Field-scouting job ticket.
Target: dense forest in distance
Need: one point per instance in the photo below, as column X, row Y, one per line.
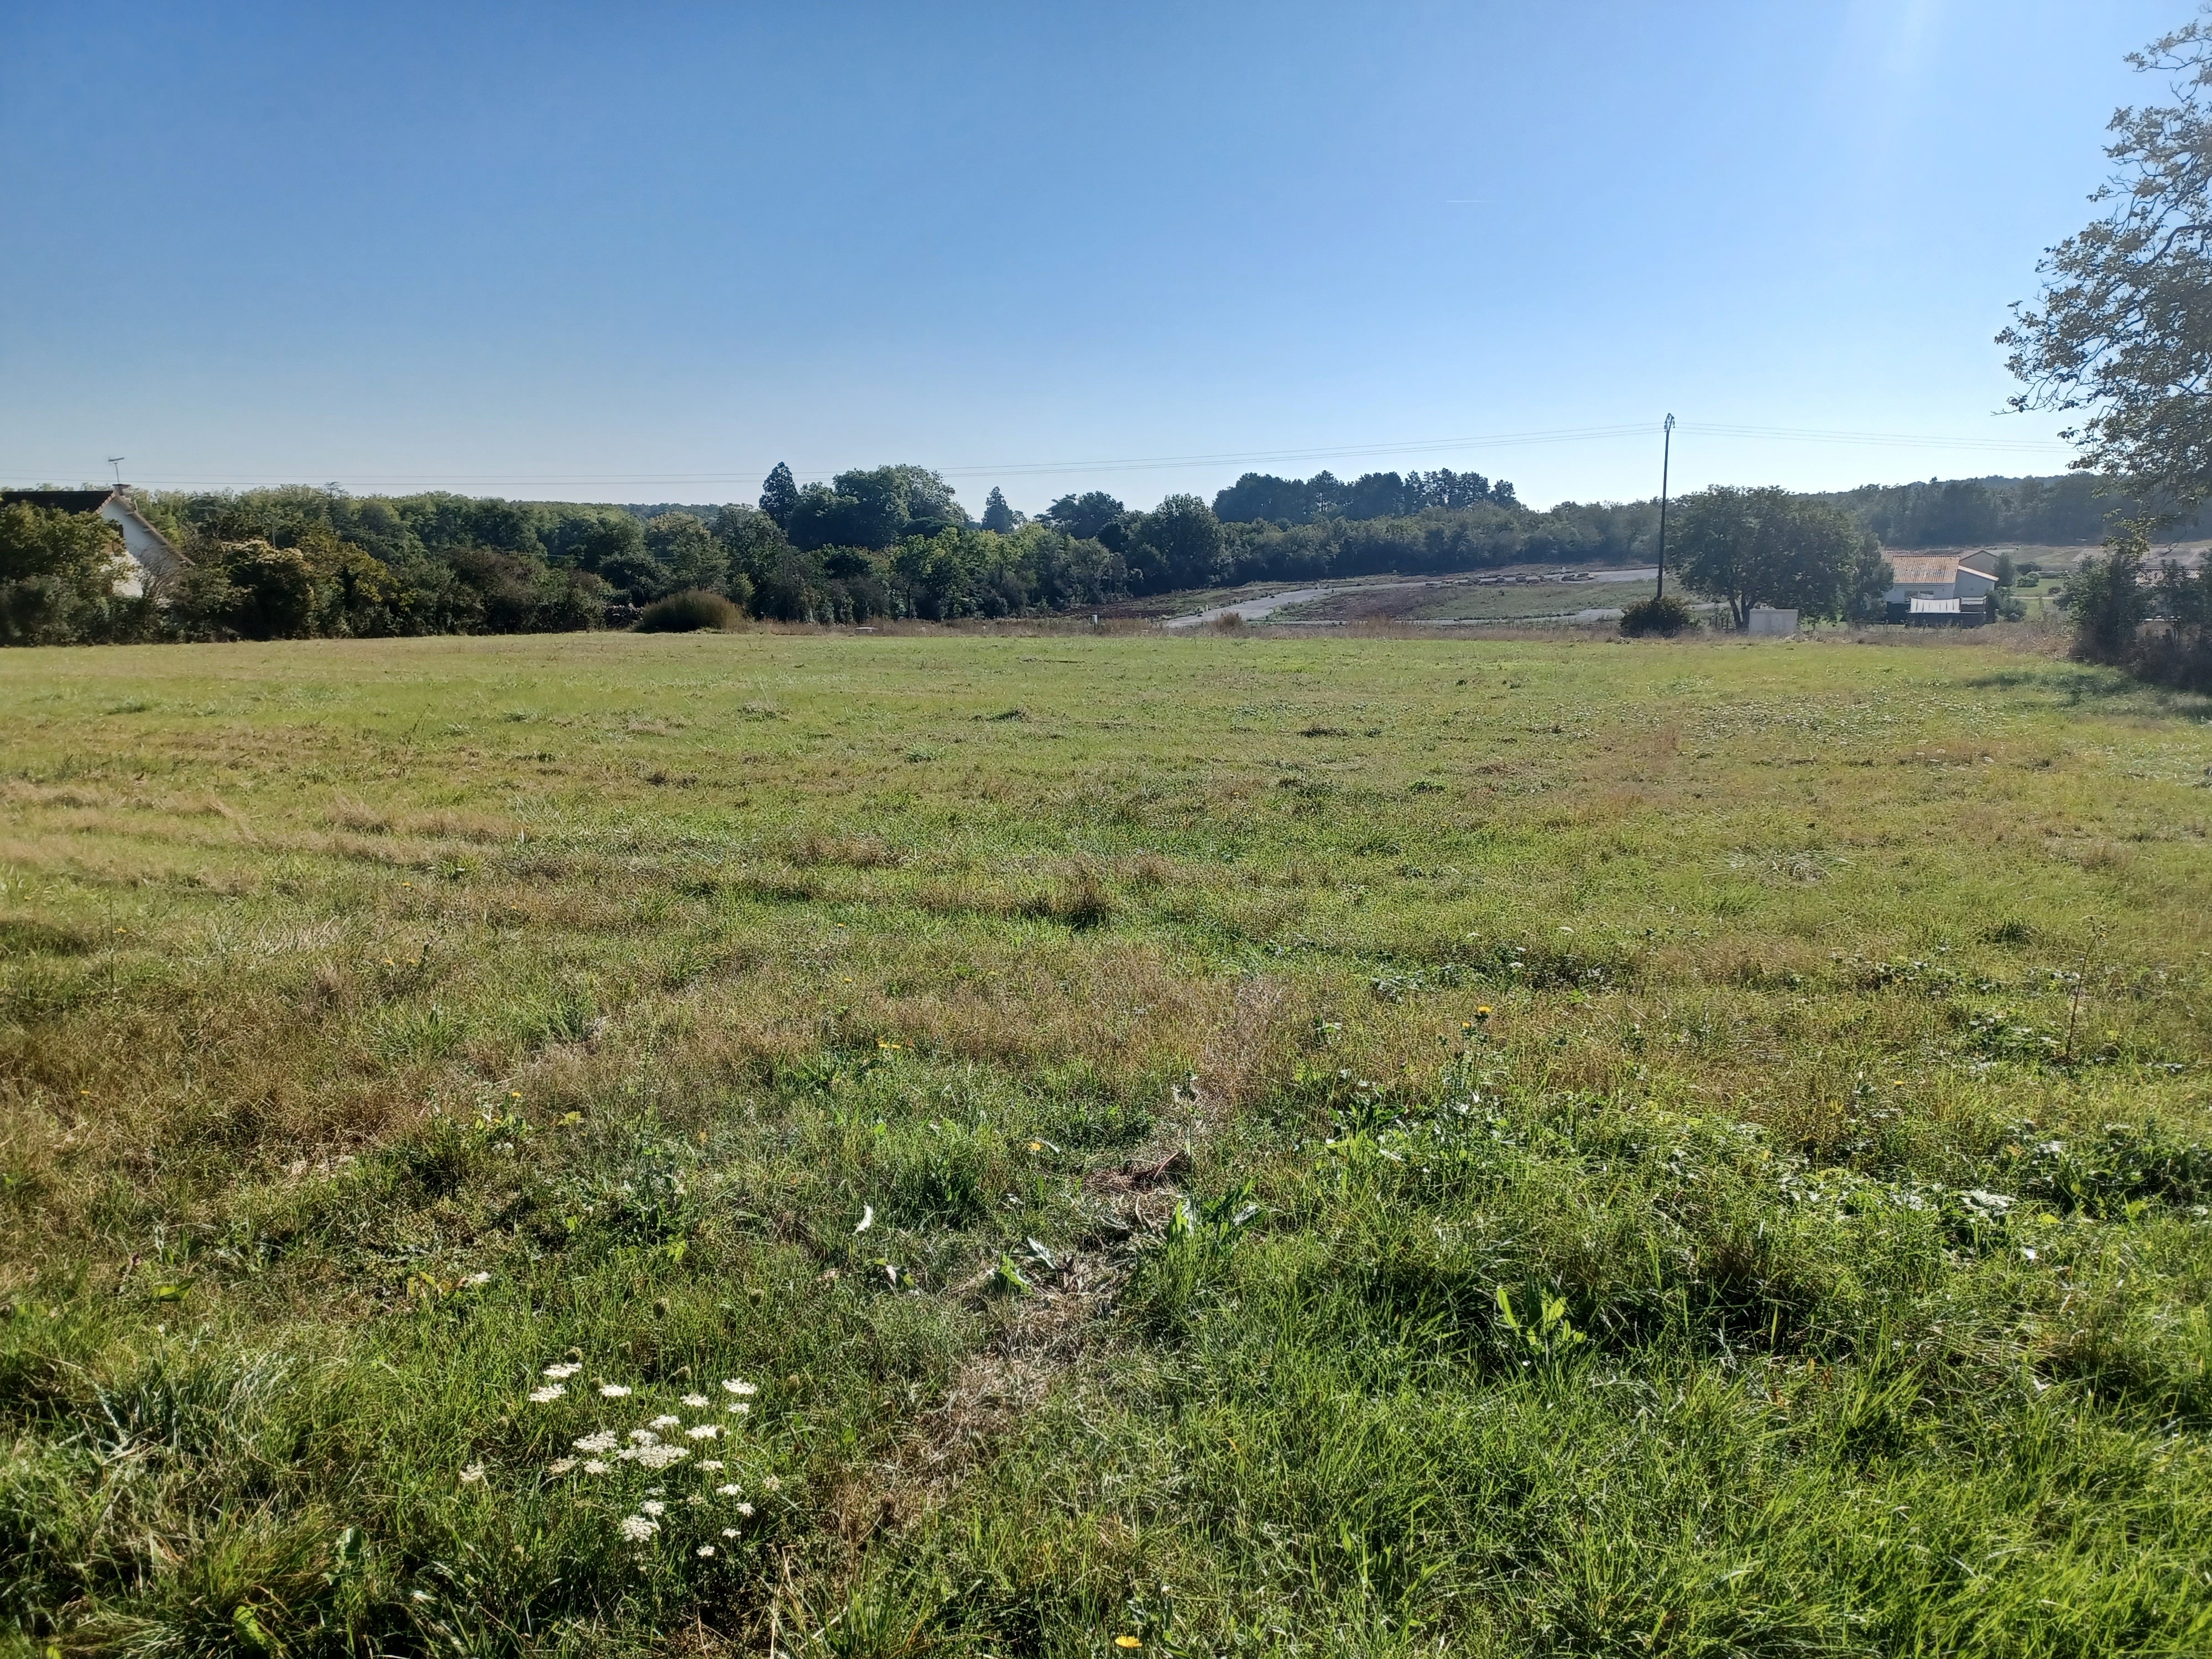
column 878, row 542
column 2061, row 512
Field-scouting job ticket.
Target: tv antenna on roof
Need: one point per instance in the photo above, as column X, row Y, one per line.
column 116, row 461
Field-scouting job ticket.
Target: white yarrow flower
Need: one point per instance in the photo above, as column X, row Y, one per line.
column 561, row 1372
column 729, row 1532
column 592, row 1466
column 739, row 1385
column 643, row 1437
column 614, row 1391
column 546, row 1396
column 472, row 1474
column 666, row 1421
column 744, row 1508
column 479, row 1278
column 738, row 1410
column 704, row 1551
column 703, row 1430
column 598, row 1440
column 637, row 1530
column 731, row 1491
column 771, row 1485
column 561, row 1466
column 696, row 1402
column 654, row 1457
column 654, row 1507
column 710, row 1463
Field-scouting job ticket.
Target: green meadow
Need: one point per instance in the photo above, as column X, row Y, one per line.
column 1060, row 1142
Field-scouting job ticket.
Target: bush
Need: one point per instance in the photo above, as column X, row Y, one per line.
column 2107, row 601
column 1665, row 615
column 688, row 612
column 58, row 574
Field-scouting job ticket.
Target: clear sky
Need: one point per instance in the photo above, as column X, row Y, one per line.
column 642, row 251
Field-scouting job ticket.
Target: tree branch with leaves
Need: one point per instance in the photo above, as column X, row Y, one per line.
column 2123, row 331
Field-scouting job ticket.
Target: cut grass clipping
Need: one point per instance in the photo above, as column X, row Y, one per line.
column 724, row 1143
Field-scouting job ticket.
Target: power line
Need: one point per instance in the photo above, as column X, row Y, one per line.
column 1144, row 463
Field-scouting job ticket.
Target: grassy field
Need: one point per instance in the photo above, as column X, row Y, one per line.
column 1066, row 1145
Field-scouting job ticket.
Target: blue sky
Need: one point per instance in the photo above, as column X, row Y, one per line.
column 641, row 252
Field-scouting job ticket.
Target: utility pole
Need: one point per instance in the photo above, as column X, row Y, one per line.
column 1666, row 454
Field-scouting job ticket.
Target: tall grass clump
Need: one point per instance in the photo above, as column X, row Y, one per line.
column 688, row 613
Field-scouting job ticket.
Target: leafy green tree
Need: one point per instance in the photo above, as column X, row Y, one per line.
column 1768, row 546
column 2106, row 598
column 1454, row 490
column 43, row 541
column 822, row 518
column 1380, row 495
column 778, row 496
column 1071, row 571
column 999, row 517
column 2122, row 330
column 890, row 502
column 874, row 507
column 58, row 575
column 964, row 571
column 595, row 539
column 638, row 577
column 687, row 551
column 1179, row 544
column 249, row 590
column 1084, row 516
column 752, row 543
column 1261, row 496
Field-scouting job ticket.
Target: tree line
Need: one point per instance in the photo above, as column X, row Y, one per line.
column 2074, row 509
column 881, row 544
column 871, row 543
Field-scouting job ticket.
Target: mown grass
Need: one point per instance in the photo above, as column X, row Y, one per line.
column 1239, row 1143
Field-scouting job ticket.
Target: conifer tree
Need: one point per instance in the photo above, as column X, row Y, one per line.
column 780, row 495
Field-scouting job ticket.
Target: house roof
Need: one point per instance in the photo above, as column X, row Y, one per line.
column 1915, row 567
column 66, row 501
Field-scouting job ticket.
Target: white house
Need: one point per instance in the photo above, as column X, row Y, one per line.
column 1942, row 589
column 152, row 557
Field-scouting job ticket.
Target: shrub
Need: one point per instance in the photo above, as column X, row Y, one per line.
column 2111, row 600
column 2107, row 601
column 688, row 612
column 1665, row 615
column 59, row 573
